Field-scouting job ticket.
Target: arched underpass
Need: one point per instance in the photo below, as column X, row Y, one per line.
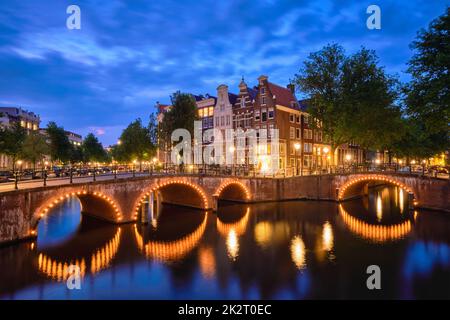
column 359, row 187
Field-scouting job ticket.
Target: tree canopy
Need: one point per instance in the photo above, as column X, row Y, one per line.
column 93, row 150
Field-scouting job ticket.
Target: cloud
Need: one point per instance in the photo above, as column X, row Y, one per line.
column 130, row 54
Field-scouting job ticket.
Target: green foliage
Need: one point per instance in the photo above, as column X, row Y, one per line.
column 93, row 150
column 182, row 115
column 352, row 97
column 34, row 148
column 136, row 143
column 428, row 94
column 11, row 141
column 60, row 146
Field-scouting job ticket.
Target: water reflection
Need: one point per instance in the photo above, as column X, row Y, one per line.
column 288, row 250
column 298, row 252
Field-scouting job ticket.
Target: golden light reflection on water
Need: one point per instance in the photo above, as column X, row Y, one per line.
column 327, row 237
column 401, row 204
column 263, row 233
column 207, row 262
column 232, row 244
column 298, row 252
column 375, row 233
column 379, row 207
column 167, row 251
column 239, row 226
column 101, row 259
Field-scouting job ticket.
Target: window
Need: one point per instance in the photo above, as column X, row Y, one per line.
column 307, row 134
column 297, row 119
column 243, row 102
column 292, row 162
column 228, row 120
column 222, row 107
column 263, row 90
column 257, row 113
column 292, row 149
column 263, row 100
column 264, row 115
column 307, row 147
column 217, row 121
column 211, row 111
column 222, row 122
column 307, row 161
column 306, row 119
column 297, row 133
column 271, row 113
column 291, row 132
column 282, row 148
column 291, row 118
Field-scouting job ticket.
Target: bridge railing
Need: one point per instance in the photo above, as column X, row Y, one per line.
column 44, row 177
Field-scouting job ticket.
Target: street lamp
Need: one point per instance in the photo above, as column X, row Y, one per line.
column 119, row 142
column 297, row 147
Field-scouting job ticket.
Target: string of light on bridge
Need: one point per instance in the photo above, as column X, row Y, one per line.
column 233, row 182
column 376, row 178
column 60, row 198
column 170, row 182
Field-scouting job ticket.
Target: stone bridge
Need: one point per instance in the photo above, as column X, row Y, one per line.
column 118, row 201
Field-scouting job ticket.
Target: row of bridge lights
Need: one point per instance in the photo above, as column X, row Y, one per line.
column 195, row 187
column 67, row 195
column 370, row 177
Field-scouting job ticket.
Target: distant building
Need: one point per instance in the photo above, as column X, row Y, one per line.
column 74, row 138
column 10, row 115
column 205, row 109
column 28, row 120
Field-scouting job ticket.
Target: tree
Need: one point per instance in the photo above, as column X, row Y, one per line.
column 60, row 146
column 351, row 96
column 428, row 94
column 135, row 143
column 93, row 150
column 370, row 114
column 34, row 148
column 11, row 141
column 182, row 115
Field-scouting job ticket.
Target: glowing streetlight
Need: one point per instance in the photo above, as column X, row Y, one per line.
column 19, row 162
column 119, row 142
column 297, row 146
column 377, row 161
column 348, row 157
column 413, row 161
column 231, row 149
column 326, row 150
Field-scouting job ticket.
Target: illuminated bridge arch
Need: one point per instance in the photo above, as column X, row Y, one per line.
column 354, row 186
column 178, row 192
column 93, row 203
column 233, row 190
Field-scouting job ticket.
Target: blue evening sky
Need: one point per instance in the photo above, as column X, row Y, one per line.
column 130, row 54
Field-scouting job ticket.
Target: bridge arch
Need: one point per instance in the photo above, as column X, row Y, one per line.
column 94, row 203
column 233, row 190
column 355, row 185
column 178, row 192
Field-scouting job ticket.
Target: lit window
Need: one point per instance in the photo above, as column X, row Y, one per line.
column 291, row 118
column 211, row 111
column 291, row 132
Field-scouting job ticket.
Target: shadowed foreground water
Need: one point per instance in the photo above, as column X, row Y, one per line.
column 288, row 250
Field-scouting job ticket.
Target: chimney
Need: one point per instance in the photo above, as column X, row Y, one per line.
column 291, row 87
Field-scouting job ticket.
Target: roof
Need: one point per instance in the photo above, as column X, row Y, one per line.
column 232, row 97
column 283, row 96
column 303, row 104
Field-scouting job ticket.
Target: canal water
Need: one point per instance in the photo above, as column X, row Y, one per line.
column 286, row 250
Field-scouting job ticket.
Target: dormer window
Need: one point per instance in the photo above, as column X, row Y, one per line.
column 263, row 90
